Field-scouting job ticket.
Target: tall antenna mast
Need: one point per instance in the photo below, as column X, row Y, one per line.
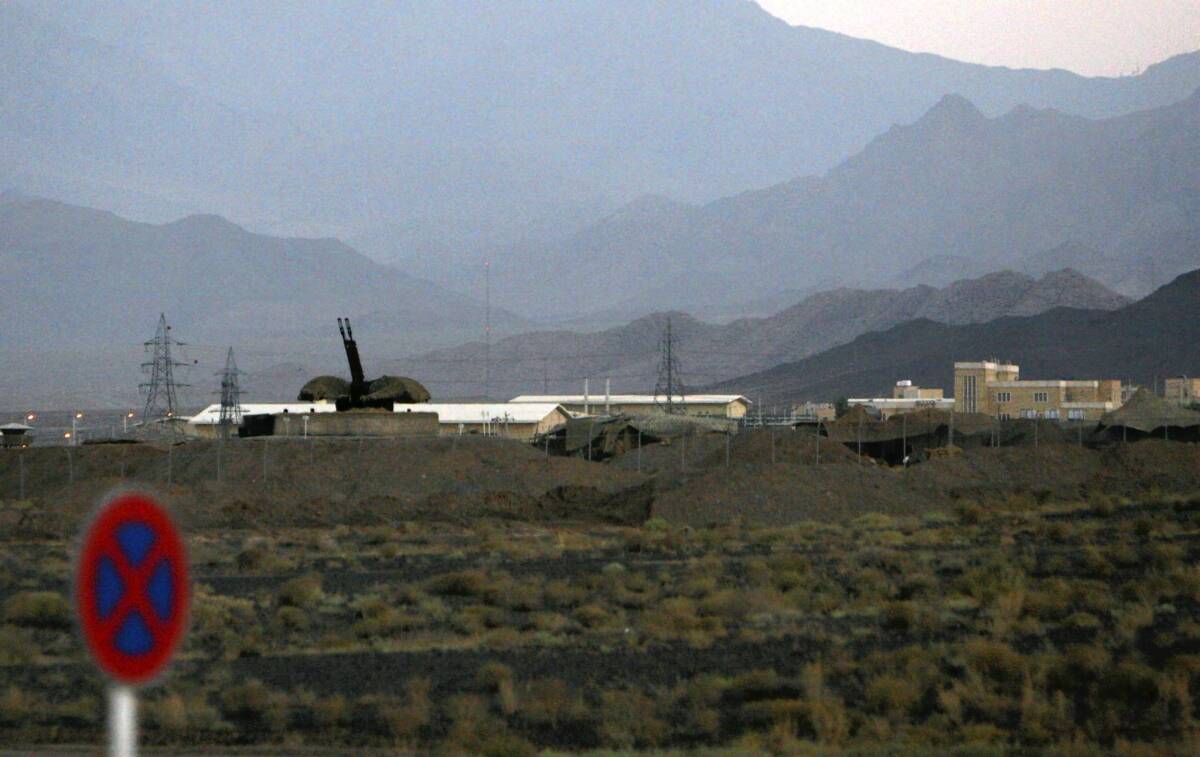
column 161, row 401
column 670, row 384
column 487, row 329
column 231, row 397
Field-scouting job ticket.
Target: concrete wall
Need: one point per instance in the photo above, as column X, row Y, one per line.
column 356, row 423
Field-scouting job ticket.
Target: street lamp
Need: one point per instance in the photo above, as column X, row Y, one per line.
column 125, row 422
column 74, row 435
column 31, row 417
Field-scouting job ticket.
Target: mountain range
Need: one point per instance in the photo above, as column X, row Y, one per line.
column 79, row 278
column 1141, row 343
column 427, row 133
column 559, row 361
column 955, row 193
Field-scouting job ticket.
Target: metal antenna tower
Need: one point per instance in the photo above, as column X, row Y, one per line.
column 231, row 397
column 487, row 329
column 669, row 392
column 161, row 401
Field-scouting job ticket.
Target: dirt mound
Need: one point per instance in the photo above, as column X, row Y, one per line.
column 786, row 492
column 276, row 483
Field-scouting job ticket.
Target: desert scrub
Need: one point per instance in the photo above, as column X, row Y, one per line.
column 38, row 609
column 254, row 703
column 302, row 591
column 17, row 646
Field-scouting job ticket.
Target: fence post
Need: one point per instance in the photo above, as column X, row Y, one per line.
column 771, row 431
column 264, row 459
column 124, row 457
column 70, row 467
column 220, row 447
column 639, row 455
column 21, row 460
column 951, row 428
column 818, row 441
column 1035, row 433
column 860, row 422
column 170, row 462
column 904, row 439
column 727, row 435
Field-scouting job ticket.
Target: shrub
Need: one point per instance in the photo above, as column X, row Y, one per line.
column 254, row 702
column 38, row 609
column 892, row 695
column 463, row 583
column 17, row 646
column 330, row 711
column 302, row 591
column 627, row 720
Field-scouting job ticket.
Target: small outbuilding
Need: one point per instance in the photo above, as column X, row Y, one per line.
column 15, row 435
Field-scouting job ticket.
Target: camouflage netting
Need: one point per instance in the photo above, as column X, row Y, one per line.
column 382, row 391
column 396, row 389
column 1147, row 412
column 324, row 388
column 609, row 435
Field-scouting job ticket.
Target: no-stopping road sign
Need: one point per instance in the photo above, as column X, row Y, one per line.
column 132, row 589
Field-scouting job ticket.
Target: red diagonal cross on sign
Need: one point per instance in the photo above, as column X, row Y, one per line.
column 102, row 548
column 136, row 580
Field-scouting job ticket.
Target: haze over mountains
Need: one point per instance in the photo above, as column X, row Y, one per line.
column 426, row 132
column 1141, row 343
column 559, row 361
column 955, row 193
column 78, row 278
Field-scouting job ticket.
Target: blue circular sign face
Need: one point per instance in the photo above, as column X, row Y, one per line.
column 131, row 589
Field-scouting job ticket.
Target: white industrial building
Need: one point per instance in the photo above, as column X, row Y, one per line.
column 710, row 405
column 512, row 420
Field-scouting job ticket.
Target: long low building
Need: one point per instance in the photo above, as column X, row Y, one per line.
column 508, row 419
column 710, row 405
column 206, row 423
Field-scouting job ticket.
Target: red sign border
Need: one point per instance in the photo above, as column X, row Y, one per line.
column 99, row 539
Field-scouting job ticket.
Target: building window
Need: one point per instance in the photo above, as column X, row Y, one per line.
column 1052, row 414
column 1004, row 396
column 1005, row 417
column 1029, row 414
column 1075, row 415
column 1041, row 397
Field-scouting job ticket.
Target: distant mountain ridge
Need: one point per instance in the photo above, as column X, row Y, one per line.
column 80, row 278
column 629, row 354
column 1141, row 342
column 954, row 190
column 429, row 132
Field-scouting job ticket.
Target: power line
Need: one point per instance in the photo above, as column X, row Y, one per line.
column 231, row 397
column 161, row 401
column 669, row 380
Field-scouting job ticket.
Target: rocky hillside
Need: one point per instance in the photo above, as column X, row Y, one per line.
column 1142, row 342
column 629, row 354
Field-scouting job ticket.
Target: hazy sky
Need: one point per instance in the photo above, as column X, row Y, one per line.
column 1094, row 37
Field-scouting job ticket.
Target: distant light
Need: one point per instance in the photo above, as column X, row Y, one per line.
column 129, row 415
column 31, row 417
column 67, row 435
column 78, row 415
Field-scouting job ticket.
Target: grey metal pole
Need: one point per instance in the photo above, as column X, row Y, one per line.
column 124, row 457
column 170, row 462
column 220, row 447
column 70, row 467
column 818, row 441
column 860, row 422
column 21, row 459
column 1035, row 433
column 264, row 459
column 951, row 428
column 771, row 431
column 639, row 455
column 727, row 436
column 904, row 437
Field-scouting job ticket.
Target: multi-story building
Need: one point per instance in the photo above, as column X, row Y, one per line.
column 1182, row 391
column 996, row 389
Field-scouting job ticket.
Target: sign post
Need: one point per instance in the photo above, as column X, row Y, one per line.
column 131, row 597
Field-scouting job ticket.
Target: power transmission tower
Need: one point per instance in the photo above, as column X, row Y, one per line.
column 669, row 392
column 231, row 397
column 487, row 329
column 161, row 401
